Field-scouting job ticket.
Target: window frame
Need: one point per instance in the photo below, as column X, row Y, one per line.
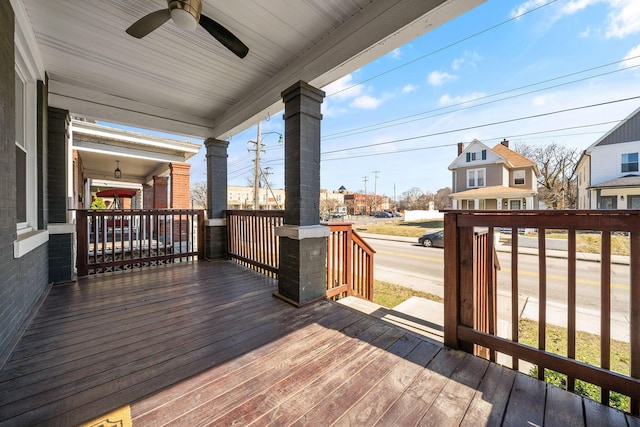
column 515, row 178
column 623, row 163
column 476, row 174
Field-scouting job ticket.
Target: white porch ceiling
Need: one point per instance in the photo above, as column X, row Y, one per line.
column 189, row 84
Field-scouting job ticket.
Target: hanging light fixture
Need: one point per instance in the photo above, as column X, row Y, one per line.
column 117, row 174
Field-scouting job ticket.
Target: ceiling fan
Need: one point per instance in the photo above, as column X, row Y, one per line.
column 186, row 14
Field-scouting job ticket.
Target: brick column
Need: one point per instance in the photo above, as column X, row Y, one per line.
column 160, row 197
column 216, row 224
column 303, row 241
column 180, row 186
column 147, row 196
column 61, row 234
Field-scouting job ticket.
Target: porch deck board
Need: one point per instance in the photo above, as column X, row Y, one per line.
column 207, row 344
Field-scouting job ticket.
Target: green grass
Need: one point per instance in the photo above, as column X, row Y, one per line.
column 588, row 351
column 390, row 295
column 591, row 243
column 402, row 228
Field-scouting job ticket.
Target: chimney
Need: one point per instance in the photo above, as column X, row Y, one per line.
column 460, row 147
column 505, row 143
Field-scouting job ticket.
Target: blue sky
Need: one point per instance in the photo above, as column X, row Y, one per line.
column 409, row 109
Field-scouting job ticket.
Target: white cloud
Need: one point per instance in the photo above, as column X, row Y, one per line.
column 470, row 58
column 575, row 6
column 446, row 100
column 526, row 7
column 395, row 53
column 586, row 33
column 629, row 62
column 366, row 102
column 409, row 88
column 343, row 88
column 438, row 78
column 624, row 19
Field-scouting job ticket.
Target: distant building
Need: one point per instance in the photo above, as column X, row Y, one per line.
column 364, row 204
column 239, row 197
column 493, row 178
column 615, row 182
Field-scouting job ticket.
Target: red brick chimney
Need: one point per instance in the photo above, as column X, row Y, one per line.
column 505, row 143
column 460, row 147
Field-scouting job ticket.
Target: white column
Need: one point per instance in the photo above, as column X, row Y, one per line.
column 499, row 203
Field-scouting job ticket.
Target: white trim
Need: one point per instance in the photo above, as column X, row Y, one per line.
column 300, row 232
column 25, row 41
column 61, row 228
column 27, row 242
column 215, row 222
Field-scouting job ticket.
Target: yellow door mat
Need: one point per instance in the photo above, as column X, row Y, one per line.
column 118, row 418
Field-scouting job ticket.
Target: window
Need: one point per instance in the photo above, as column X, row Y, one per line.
column 518, row 177
column 230, row 195
column 477, row 155
column 514, row 205
column 475, row 178
column 21, row 153
column 608, row 202
column 630, row 162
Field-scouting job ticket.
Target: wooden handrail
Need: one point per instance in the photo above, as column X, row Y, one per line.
column 463, row 296
column 252, row 242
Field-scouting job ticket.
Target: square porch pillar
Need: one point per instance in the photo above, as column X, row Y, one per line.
column 302, row 276
column 216, row 223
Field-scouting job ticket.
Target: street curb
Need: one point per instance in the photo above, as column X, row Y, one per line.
column 580, row 256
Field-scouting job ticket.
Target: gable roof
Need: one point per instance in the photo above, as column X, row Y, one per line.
column 628, row 130
column 514, row 159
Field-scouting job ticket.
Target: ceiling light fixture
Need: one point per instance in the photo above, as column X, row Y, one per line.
column 117, row 174
column 186, row 14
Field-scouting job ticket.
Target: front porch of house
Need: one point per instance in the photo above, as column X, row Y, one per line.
column 206, row 343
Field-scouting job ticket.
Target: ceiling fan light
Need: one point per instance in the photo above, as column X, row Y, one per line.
column 184, row 19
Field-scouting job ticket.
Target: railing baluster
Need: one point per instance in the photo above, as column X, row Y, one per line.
column 605, row 308
column 542, row 295
column 515, row 309
column 634, row 240
column 571, row 301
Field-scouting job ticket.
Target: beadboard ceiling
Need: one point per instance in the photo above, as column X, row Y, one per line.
column 186, row 82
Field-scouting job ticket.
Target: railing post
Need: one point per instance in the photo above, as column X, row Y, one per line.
column 451, row 280
column 349, row 247
column 82, row 263
column 200, row 230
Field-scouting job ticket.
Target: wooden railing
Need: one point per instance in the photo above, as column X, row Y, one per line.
column 252, row 242
column 110, row 240
column 349, row 263
column 461, row 299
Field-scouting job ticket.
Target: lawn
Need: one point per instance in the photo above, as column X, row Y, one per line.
column 390, row 295
column 588, row 351
column 402, row 228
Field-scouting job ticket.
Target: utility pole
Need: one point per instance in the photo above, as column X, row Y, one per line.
column 375, row 189
column 265, row 175
column 366, row 204
column 256, row 170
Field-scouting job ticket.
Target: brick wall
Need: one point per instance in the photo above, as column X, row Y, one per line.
column 180, row 186
column 160, row 197
column 24, row 280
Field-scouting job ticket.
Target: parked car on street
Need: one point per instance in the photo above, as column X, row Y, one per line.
column 383, row 215
column 434, row 238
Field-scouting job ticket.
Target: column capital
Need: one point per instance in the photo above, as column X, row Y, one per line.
column 216, row 143
column 294, row 96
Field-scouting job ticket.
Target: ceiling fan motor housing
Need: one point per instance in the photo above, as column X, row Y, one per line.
column 185, row 13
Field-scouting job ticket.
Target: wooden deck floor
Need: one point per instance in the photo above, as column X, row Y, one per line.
column 207, row 344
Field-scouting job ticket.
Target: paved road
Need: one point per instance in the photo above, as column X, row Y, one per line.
column 422, row 268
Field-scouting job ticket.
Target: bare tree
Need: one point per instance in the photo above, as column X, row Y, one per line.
column 441, row 200
column 557, row 163
column 199, row 195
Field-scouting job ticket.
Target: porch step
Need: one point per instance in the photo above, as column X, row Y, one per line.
column 418, row 315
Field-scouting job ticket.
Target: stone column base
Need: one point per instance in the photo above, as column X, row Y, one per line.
column 302, row 276
column 215, row 239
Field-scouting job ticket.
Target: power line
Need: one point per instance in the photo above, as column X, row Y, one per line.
column 535, row 116
column 433, row 52
column 414, row 117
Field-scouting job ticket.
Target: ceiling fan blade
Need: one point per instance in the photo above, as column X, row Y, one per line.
column 224, row 36
column 146, row 24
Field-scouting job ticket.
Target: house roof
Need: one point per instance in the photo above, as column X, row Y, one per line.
column 628, row 130
column 624, row 181
column 514, row 159
column 494, row 191
column 187, row 83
